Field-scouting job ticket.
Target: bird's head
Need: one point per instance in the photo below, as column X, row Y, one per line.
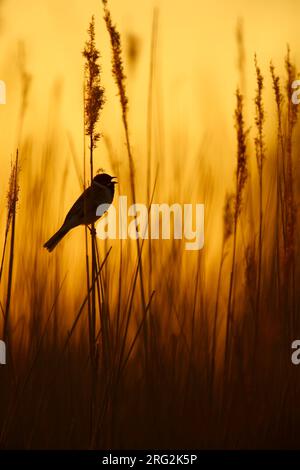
column 104, row 179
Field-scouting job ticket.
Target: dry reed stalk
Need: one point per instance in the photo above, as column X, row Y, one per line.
column 93, row 104
column 12, row 199
column 241, row 179
column 279, row 99
column 260, row 158
column 289, row 197
column 87, row 263
column 285, row 187
column 116, row 336
column 150, row 129
column 280, row 177
column 7, row 227
column 228, row 219
column 120, row 78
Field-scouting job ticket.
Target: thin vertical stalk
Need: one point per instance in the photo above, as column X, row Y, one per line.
column 149, row 130
column 215, row 324
column 12, row 206
column 119, row 76
column 260, row 157
column 93, row 104
column 241, row 179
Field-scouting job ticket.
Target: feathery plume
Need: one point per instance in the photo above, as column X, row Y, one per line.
column 259, row 117
column 242, row 171
column 117, row 62
column 94, row 92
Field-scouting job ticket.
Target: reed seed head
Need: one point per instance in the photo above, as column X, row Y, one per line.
column 13, row 191
column 117, row 62
column 242, row 171
column 94, row 92
column 259, row 117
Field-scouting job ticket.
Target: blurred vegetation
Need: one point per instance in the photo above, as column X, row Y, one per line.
column 190, row 349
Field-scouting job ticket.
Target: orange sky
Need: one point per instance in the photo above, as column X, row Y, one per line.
column 197, row 64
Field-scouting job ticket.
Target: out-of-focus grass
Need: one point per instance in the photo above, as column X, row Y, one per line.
column 154, row 384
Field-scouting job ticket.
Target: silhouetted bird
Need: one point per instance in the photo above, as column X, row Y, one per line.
column 84, row 211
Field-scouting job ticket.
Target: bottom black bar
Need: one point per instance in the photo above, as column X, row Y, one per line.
column 135, row 458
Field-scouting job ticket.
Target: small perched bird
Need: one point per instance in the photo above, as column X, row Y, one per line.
column 85, row 210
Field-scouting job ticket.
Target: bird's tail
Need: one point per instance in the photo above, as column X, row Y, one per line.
column 53, row 241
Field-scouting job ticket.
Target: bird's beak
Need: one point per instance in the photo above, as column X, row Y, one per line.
column 114, row 182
